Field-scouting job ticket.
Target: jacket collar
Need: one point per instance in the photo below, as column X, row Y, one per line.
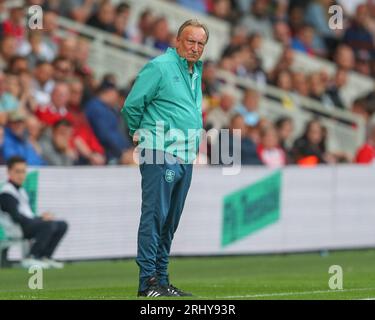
column 183, row 61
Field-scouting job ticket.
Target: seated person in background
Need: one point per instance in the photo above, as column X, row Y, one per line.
column 310, row 148
column 55, row 145
column 249, row 108
column 237, row 144
column 84, row 141
column 102, row 112
column 16, row 142
column 8, row 102
column 44, row 230
column 219, row 117
column 50, row 113
column 285, row 127
column 269, row 151
column 366, row 153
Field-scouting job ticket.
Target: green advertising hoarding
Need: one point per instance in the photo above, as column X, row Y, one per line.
column 250, row 209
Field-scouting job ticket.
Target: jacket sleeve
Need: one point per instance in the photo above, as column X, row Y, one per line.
column 9, row 204
column 144, row 90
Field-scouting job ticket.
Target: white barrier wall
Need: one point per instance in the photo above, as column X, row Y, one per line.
column 321, row 208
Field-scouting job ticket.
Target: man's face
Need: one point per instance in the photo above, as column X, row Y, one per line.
column 17, row 127
column 17, row 174
column 61, row 137
column 60, row 95
column 190, row 44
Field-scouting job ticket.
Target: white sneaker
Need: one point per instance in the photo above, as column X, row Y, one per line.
column 53, row 263
column 30, row 262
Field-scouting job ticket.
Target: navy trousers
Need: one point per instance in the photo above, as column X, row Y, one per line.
column 46, row 235
column 164, row 190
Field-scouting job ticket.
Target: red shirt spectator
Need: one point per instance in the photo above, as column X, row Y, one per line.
column 268, row 149
column 14, row 25
column 84, row 140
column 83, row 130
column 366, row 153
column 56, row 110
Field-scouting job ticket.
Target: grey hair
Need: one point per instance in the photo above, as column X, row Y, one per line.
column 194, row 23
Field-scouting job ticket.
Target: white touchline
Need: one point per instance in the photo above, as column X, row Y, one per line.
column 290, row 293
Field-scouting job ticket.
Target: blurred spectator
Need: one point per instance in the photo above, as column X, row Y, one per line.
column 284, row 62
column 282, row 33
column 79, row 10
column 284, row 127
column 56, row 110
column 2, row 160
column 222, row 9
column 55, row 147
column 34, row 131
column 63, row 69
column 8, row 102
column 238, row 38
column 300, row 84
column 161, row 34
column 269, row 151
column 317, row 88
column 14, row 26
column 142, row 32
column 243, row 6
column 81, row 57
column 121, row 20
column 68, row 47
column 251, row 68
column 255, row 42
column 357, row 36
column 366, row 153
column 310, row 148
column 103, row 18
column 284, row 80
column 210, row 83
column 219, row 117
column 50, row 37
column 18, row 64
column 258, row 20
column 249, row 108
column 303, row 40
column 317, row 16
column 230, row 143
column 34, row 48
column 103, row 115
column 16, row 142
column 361, row 108
column 27, row 100
column 8, row 49
column 296, row 19
column 196, row 5
column 84, row 140
column 43, row 82
column 344, row 57
column 334, row 90
column 363, row 63
column 13, row 87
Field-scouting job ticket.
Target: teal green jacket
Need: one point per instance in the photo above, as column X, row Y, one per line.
column 164, row 106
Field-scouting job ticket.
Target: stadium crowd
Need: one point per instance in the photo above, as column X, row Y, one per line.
column 54, row 111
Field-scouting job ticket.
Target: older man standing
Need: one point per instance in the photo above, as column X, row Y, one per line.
column 164, row 116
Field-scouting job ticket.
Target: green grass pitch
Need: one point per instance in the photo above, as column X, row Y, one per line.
column 291, row 276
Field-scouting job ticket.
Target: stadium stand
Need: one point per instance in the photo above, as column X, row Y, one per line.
column 301, row 70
